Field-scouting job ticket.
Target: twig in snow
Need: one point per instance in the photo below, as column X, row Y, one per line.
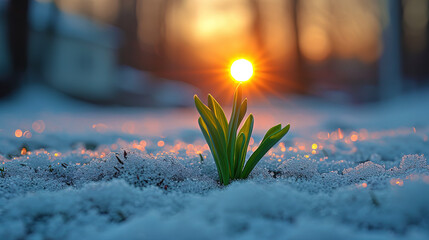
column 119, row 160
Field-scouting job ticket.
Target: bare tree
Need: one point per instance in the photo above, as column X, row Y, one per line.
column 299, row 72
column 17, row 27
column 390, row 67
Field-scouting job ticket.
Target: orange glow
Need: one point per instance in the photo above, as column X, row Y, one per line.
column 27, row 134
column 241, row 70
column 23, row 151
column 340, row 133
column 354, row 137
column 363, row 134
column 161, row 143
column 100, row 127
column 396, row 181
column 323, row 135
column 334, row 135
column 18, row 133
column 128, row 127
column 140, row 146
column 38, row 126
column 315, row 43
column 364, row 185
column 413, row 177
column 282, row 147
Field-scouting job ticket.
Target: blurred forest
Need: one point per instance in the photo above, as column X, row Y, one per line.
column 349, row 50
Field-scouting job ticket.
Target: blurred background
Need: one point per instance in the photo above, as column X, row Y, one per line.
column 160, row 52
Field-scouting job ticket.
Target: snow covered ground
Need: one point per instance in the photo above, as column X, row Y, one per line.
column 70, row 170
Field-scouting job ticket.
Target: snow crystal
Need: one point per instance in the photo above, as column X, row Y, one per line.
column 412, row 162
column 299, row 167
column 363, row 171
column 105, row 174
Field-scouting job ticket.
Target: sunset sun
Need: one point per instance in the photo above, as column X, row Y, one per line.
column 241, row 70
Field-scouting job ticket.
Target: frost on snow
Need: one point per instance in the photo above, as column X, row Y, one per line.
column 122, row 174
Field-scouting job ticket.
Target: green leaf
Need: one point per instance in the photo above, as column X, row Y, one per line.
column 220, row 115
column 209, row 141
column 241, row 141
column 216, row 136
column 203, row 110
column 229, row 150
column 212, row 123
column 279, row 135
column 218, row 152
column 242, row 113
column 263, row 148
column 272, row 130
column 232, row 127
column 246, row 130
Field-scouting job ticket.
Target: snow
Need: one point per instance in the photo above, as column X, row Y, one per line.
column 344, row 172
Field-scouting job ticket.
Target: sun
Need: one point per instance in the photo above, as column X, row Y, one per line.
column 241, row 70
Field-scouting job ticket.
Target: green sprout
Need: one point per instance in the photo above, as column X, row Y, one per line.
column 229, row 149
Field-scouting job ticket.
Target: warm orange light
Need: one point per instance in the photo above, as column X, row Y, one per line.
column 397, row 181
column 39, row 126
column 340, row 134
column 241, row 70
column 27, row 134
column 18, row 133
